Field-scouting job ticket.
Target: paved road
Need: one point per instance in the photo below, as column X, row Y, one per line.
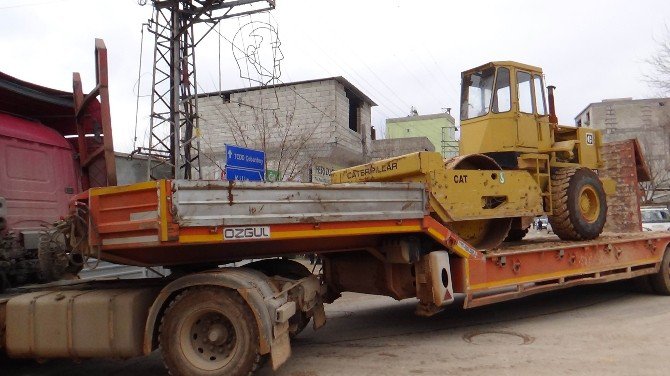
column 599, row 330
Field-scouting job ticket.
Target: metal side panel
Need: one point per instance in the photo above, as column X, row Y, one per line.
column 78, row 324
column 214, row 203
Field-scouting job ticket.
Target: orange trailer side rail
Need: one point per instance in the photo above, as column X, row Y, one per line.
column 514, row 272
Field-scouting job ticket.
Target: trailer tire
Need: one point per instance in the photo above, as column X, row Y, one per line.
column 209, row 331
column 579, row 204
column 660, row 281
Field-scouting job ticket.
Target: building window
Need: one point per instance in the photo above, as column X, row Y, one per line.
column 354, row 111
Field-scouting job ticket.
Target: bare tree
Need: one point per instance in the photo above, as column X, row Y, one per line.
column 657, row 189
column 659, row 77
column 267, row 122
column 263, row 119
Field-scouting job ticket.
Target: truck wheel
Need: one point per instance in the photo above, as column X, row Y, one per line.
column 209, row 331
column 660, row 282
column 580, row 206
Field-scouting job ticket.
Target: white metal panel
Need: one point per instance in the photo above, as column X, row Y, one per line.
column 214, row 203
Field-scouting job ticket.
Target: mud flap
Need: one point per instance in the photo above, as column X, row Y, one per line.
column 281, row 346
column 433, row 283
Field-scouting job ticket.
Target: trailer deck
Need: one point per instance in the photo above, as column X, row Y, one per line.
column 177, row 222
column 536, row 265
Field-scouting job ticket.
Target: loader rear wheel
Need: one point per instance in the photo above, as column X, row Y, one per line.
column 209, row 331
column 660, row 282
column 580, row 207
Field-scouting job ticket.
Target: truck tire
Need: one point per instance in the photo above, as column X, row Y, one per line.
column 209, row 331
column 660, row 282
column 579, row 203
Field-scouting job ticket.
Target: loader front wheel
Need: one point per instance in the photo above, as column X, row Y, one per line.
column 209, row 331
column 579, row 203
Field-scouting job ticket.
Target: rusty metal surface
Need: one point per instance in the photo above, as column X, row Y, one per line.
column 213, row 203
column 96, row 154
column 551, row 242
column 525, row 269
column 623, row 163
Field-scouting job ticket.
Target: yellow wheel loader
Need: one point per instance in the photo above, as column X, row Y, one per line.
column 515, row 163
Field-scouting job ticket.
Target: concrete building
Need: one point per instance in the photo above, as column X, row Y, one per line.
column 648, row 120
column 131, row 169
column 302, row 126
column 393, row 147
column 438, row 128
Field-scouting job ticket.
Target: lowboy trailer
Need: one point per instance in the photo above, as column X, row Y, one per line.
column 211, row 317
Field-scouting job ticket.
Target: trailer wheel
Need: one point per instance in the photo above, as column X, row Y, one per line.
column 660, row 281
column 580, row 207
column 209, row 331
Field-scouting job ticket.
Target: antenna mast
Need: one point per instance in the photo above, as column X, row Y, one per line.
column 174, row 132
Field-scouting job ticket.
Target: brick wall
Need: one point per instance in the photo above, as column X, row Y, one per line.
column 623, row 213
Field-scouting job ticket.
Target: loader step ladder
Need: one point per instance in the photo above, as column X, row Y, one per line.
column 538, row 166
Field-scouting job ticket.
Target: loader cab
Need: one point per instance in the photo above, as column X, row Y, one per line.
column 504, row 111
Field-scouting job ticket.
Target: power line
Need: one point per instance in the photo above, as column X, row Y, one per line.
column 361, row 78
column 369, row 85
column 139, row 79
column 448, row 94
column 420, row 81
column 32, row 4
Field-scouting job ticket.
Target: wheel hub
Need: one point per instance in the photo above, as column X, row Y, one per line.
column 211, row 339
column 217, row 333
column 589, row 205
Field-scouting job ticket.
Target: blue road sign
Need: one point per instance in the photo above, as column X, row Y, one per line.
column 240, row 174
column 249, row 159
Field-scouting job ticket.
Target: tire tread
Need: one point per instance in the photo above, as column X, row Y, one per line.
column 258, row 357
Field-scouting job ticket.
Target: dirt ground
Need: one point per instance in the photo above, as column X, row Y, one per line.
column 597, row 330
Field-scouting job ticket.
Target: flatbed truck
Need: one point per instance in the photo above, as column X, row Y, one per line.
column 210, row 317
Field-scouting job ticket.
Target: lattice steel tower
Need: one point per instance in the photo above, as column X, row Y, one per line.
column 174, row 135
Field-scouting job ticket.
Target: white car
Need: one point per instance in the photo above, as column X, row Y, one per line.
column 655, row 219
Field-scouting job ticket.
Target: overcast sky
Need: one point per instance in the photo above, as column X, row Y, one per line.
column 401, row 53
